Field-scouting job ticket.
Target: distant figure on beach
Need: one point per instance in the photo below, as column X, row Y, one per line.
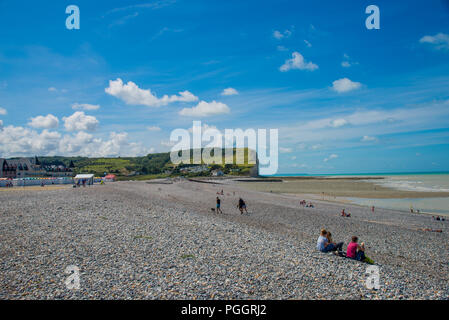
column 324, row 245
column 355, row 251
column 372, row 209
column 218, row 205
column 431, row 230
column 241, row 206
column 310, row 205
column 302, row 203
column 344, row 214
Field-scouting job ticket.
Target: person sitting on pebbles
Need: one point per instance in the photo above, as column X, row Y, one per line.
column 345, row 214
column 355, row 251
column 324, row 245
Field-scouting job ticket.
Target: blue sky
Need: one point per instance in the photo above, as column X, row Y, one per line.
column 344, row 98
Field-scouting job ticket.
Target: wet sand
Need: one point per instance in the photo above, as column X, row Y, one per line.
column 329, row 188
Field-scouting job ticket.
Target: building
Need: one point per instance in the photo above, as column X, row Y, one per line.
column 7, row 170
column 31, row 168
column 27, row 167
column 58, row 171
column 109, row 178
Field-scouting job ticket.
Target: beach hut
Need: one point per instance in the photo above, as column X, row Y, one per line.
column 87, row 177
column 109, row 178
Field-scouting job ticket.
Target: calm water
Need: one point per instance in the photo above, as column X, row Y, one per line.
column 426, row 182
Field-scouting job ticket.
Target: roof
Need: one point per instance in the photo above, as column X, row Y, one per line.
column 110, row 176
column 84, row 176
column 22, row 161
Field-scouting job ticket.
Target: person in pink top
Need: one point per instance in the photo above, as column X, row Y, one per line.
column 355, row 251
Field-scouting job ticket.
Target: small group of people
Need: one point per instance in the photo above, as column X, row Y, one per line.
column 241, row 205
column 354, row 250
column 345, row 214
column 79, row 183
column 303, row 203
column 9, row 184
column 326, row 244
column 437, row 218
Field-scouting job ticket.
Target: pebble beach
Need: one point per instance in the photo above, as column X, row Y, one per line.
column 140, row 240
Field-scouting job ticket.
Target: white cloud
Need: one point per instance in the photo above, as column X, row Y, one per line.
column 18, row 141
column 285, row 150
column 44, row 122
column 372, row 123
column 308, row 44
column 154, row 128
column 347, row 61
column 229, row 92
column 345, row 85
column 368, row 139
column 3, row 111
column 338, row 123
column 440, row 40
column 297, row 62
column 205, row 109
column 80, row 122
column 1, row 124
column 168, row 143
column 293, row 158
column 83, row 143
column 281, row 48
column 131, row 94
column 85, row 106
column 52, row 89
column 280, row 35
column 332, row 156
column 204, row 127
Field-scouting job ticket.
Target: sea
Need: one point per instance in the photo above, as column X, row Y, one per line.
column 421, row 181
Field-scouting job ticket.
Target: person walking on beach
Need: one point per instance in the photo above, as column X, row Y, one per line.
column 355, row 251
column 241, row 206
column 218, row 205
column 372, row 209
column 324, row 245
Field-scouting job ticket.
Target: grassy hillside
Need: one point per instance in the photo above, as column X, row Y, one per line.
column 150, row 166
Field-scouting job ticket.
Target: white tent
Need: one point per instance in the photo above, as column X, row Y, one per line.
column 88, row 177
